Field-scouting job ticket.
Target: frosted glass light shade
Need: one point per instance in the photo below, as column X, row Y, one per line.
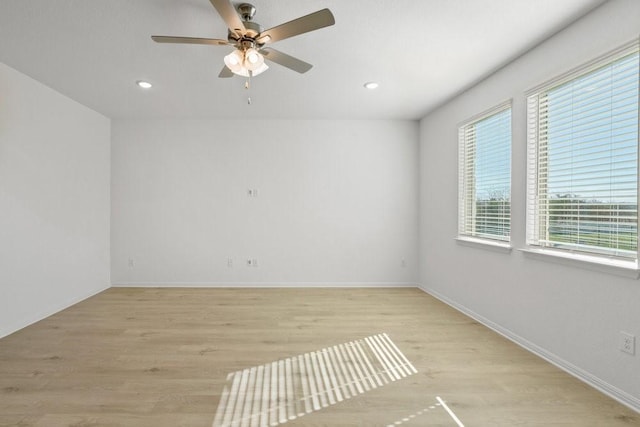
column 253, row 60
column 234, row 61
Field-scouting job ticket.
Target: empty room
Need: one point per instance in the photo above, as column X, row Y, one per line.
column 319, row 213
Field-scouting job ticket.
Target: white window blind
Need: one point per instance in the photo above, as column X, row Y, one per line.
column 582, row 166
column 484, row 175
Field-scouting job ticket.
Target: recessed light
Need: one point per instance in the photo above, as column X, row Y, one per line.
column 371, row 85
column 143, row 84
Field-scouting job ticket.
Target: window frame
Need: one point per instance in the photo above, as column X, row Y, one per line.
column 463, row 236
column 533, row 222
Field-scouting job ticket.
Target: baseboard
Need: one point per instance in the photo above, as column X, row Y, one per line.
column 49, row 311
column 621, row 396
column 264, row 285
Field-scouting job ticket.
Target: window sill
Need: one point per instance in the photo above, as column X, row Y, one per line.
column 492, row 245
column 591, row 262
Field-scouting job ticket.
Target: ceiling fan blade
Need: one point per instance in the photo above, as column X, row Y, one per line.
column 229, row 15
column 225, row 73
column 189, row 40
column 285, row 60
column 313, row 21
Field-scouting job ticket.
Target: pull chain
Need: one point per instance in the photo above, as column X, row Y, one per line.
column 247, row 86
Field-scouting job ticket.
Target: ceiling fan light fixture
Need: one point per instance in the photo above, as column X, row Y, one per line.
column 253, row 60
column 246, row 63
column 143, row 84
column 252, row 56
column 371, row 85
column 234, row 61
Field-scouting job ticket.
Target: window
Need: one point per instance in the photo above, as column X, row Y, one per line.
column 484, row 169
column 582, row 166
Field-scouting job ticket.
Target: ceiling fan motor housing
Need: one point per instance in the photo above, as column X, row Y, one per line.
column 253, row 29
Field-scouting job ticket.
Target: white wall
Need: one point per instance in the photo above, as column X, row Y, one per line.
column 54, row 201
column 337, row 202
column 566, row 313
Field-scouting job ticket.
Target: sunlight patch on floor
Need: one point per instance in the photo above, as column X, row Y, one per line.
column 286, row 389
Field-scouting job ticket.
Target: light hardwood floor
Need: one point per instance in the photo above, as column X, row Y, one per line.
column 160, row 357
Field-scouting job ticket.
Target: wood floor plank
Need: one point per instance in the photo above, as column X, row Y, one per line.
column 162, row 357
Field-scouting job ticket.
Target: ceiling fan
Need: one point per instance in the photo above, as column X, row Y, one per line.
column 249, row 39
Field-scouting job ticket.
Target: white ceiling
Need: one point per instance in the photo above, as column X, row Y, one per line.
column 421, row 51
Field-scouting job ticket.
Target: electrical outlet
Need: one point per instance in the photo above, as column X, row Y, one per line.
column 131, row 263
column 627, row 343
column 229, row 262
column 252, row 262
